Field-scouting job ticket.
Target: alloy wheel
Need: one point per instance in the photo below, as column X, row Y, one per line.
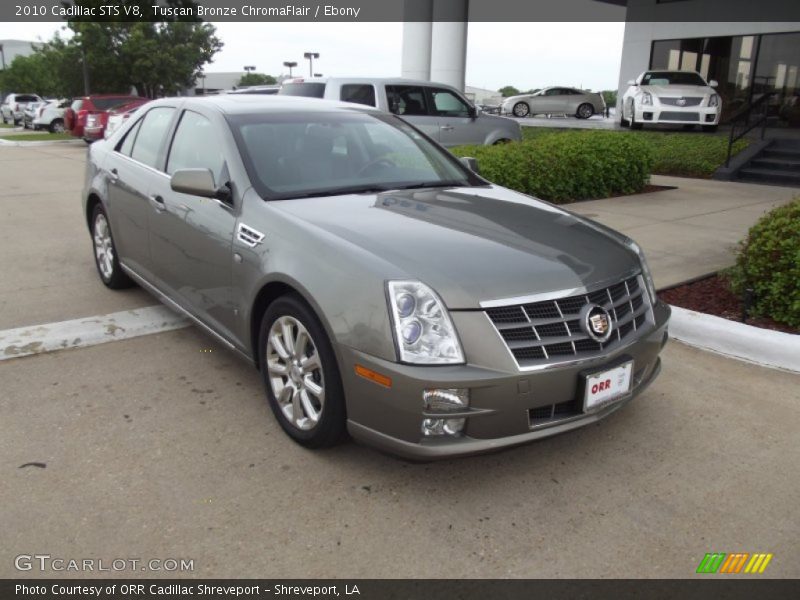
column 295, row 372
column 103, row 246
column 521, row 109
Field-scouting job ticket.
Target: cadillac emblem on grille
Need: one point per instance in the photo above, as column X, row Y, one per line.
column 596, row 322
column 681, row 102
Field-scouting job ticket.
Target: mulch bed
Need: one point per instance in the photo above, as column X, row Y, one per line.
column 713, row 296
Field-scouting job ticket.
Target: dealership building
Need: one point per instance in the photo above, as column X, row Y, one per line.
column 746, row 58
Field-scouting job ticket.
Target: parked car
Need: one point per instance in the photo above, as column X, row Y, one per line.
column 673, row 97
column 29, row 113
column 77, row 114
column 555, row 101
column 117, row 116
column 14, row 104
column 96, row 122
column 50, row 116
column 382, row 287
column 439, row 110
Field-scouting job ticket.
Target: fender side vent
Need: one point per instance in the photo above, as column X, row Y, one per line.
column 249, row 236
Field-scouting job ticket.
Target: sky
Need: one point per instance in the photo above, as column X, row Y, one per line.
column 525, row 55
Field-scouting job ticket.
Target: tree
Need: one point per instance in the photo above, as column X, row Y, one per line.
column 52, row 70
column 159, row 57
column 508, row 91
column 257, row 79
column 610, row 96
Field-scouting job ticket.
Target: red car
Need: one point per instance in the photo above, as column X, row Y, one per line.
column 77, row 117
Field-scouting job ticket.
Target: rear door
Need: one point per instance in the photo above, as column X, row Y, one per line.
column 412, row 104
column 131, row 170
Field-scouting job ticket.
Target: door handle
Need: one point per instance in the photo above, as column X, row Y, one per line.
column 447, row 127
column 158, row 203
column 114, row 175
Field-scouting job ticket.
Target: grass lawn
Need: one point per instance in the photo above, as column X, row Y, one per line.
column 683, row 154
column 36, row 137
column 6, row 125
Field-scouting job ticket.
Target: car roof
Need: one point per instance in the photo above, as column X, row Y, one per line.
column 383, row 80
column 243, row 104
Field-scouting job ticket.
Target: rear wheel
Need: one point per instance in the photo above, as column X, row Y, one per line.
column 300, row 374
column 57, row 126
column 105, row 253
column 585, row 111
column 521, row 109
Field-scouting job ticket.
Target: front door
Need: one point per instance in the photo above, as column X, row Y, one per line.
column 456, row 124
column 411, row 103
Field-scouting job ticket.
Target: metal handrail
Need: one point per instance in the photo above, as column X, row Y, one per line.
column 743, row 114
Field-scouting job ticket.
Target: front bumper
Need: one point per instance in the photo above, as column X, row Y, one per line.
column 501, row 401
column 676, row 115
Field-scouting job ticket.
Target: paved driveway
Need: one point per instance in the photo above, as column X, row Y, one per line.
column 162, row 447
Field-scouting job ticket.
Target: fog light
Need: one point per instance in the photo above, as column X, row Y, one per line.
column 433, row 427
column 445, row 400
column 648, row 116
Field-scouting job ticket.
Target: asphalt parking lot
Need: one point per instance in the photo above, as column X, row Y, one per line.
column 162, row 446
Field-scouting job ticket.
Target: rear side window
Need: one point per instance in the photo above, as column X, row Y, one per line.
column 448, row 104
column 307, row 89
column 407, row 100
column 77, row 105
column 25, row 98
column 196, row 145
column 127, row 144
column 360, row 93
column 151, row 135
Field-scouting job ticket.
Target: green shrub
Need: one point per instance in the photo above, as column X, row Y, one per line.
column 564, row 167
column 674, row 153
column 768, row 262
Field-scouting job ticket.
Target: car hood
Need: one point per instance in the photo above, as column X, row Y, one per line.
column 678, row 90
column 473, row 244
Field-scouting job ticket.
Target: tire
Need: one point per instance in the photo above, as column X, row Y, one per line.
column 57, row 126
column 314, row 419
column 105, row 253
column 709, row 128
column 634, row 123
column 501, row 141
column 521, row 109
column 585, row 111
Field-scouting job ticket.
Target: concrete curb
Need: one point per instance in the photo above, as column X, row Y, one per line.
column 89, row 331
column 38, row 142
column 763, row 347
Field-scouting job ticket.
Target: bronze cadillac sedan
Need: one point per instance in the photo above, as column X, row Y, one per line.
column 382, row 288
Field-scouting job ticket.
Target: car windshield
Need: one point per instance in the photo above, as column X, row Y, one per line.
column 672, row 78
column 296, row 155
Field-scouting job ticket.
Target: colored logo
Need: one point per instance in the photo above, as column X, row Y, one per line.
column 734, row 563
column 596, row 322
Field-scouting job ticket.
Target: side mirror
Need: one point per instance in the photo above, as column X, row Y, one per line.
column 473, row 111
column 471, row 163
column 713, row 83
column 197, row 182
column 632, row 82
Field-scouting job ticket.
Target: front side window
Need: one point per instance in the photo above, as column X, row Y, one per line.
column 151, row 135
column 319, row 154
column 448, row 104
column 196, row 145
column 407, row 100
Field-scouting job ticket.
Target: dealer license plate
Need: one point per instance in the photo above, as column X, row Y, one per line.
column 606, row 386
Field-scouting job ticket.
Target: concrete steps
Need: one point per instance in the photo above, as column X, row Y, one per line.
column 779, row 164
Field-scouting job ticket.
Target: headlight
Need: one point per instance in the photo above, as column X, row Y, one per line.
column 714, row 100
column 646, row 274
column 647, row 98
column 424, row 333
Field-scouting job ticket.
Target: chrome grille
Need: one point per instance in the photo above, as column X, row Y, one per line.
column 550, row 332
column 667, row 115
column 688, row 101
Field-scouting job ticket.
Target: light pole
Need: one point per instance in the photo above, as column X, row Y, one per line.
column 3, row 54
column 249, row 68
column 290, row 65
column 311, row 56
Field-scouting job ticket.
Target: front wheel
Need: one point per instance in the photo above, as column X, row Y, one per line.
column 634, row 123
column 300, row 374
column 521, row 109
column 585, row 111
column 105, row 253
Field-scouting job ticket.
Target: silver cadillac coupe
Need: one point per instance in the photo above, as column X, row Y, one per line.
column 382, row 287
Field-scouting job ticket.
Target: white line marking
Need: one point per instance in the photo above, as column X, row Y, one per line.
column 764, row 347
column 89, row 331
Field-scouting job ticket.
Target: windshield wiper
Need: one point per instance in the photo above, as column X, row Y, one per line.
column 356, row 189
column 431, row 184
